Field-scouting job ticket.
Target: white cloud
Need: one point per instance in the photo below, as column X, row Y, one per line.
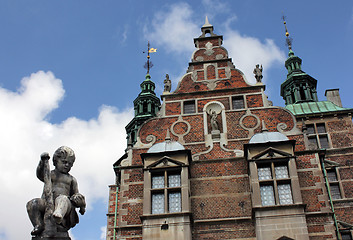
column 103, row 232
column 173, row 29
column 247, row 51
column 214, row 7
column 26, row 133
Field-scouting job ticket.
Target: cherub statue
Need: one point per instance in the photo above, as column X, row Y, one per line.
column 54, row 213
column 167, row 84
column 258, row 73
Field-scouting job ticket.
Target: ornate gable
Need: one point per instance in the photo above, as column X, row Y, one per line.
column 165, row 162
column 271, row 153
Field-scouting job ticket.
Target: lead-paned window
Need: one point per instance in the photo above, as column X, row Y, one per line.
column 317, row 136
column 238, row 102
column 334, row 184
column 189, row 107
column 166, row 192
column 275, row 184
column 346, row 235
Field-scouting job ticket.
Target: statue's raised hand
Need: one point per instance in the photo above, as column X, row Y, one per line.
column 44, row 156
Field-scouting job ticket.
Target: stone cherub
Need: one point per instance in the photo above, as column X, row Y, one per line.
column 258, row 73
column 167, row 84
column 54, row 213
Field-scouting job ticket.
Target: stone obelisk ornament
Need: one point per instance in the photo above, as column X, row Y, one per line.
column 54, row 213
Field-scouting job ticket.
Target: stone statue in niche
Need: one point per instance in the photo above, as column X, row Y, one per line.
column 215, row 132
column 54, row 213
column 258, row 73
column 167, row 84
column 214, row 123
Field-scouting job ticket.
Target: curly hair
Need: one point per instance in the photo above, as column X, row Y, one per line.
column 63, row 152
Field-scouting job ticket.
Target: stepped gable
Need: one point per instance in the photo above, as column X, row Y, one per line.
column 213, row 84
column 210, row 67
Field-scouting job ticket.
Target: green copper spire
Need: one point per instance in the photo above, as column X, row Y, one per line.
column 146, row 105
column 299, row 86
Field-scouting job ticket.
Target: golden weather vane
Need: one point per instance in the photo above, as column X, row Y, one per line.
column 149, row 64
column 289, row 40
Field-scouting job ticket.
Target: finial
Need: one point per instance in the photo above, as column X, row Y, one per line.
column 207, row 24
column 264, row 129
column 129, row 142
column 289, row 40
column 149, row 64
column 167, row 137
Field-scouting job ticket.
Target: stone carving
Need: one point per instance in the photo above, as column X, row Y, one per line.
column 258, row 73
column 214, row 123
column 54, row 213
column 209, row 50
column 199, row 58
column 219, row 56
column 167, row 84
column 194, row 76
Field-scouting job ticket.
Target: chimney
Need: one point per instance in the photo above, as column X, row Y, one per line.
column 333, row 95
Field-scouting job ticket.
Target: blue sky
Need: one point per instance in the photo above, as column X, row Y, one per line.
column 70, row 70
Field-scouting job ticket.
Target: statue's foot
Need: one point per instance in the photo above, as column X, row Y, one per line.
column 58, row 218
column 37, row 230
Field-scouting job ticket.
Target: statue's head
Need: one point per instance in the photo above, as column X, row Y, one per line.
column 63, row 153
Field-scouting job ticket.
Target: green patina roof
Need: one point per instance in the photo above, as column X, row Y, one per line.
column 315, row 108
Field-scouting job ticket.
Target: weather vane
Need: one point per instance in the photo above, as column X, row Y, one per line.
column 289, row 40
column 149, row 64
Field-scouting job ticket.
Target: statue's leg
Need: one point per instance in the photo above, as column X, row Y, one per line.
column 35, row 209
column 62, row 207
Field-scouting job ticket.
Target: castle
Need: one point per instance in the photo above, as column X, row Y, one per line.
column 215, row 159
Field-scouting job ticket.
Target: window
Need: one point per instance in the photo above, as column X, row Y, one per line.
column 275, row 185
column 317, row 136
column 346, row 235
column 166, row 192
column 334, row 184
column 238, row 102
column 189, row 107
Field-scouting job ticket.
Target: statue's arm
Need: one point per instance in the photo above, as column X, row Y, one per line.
column 40, row 169
column 77, row 198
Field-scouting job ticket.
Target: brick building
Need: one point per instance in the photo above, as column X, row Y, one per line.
column 216, row 160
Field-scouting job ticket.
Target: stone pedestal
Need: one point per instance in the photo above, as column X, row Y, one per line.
column 216, row 134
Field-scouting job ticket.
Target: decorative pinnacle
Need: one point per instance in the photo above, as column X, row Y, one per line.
column 167, row 137
column 264, row 129
column 149, row 64
column 289, row 40
column 207, row 24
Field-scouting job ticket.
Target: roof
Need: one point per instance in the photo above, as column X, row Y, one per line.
column 264, row 137
column 165, row 147
column 315, row 108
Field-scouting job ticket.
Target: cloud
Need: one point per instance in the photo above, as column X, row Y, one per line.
column 26, row 133
column 103, row 232
column 214, row 7
column 173, row 29
column 247, row 51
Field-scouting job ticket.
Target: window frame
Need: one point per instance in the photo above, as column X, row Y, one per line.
column 337, row 182
column 274, row 181
column 347, row 233
column 166, row 189
column 187, row 103
column 238, row 97
column 316, row 134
